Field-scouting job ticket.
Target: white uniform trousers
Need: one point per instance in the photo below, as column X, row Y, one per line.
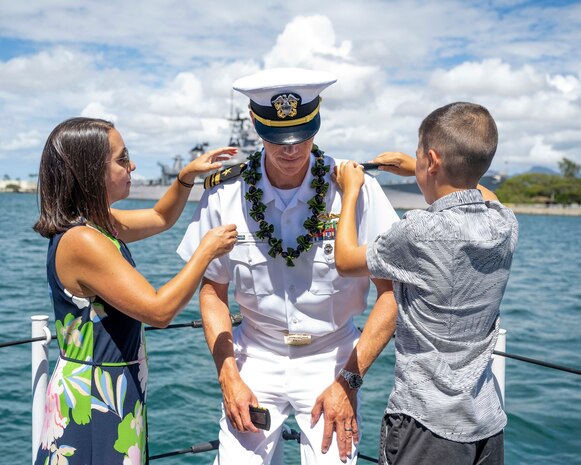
column 285, row 379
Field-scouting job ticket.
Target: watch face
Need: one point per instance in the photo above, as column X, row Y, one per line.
column 355, row 381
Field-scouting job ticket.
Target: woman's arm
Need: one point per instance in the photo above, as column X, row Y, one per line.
column 133, row 225
column 90, row 264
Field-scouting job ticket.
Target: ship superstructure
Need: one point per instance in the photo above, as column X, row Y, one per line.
column 242, row 135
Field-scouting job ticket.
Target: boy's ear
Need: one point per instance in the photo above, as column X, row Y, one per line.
column 434, row 162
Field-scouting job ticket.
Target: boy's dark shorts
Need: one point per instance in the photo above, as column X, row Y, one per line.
column 405, row 441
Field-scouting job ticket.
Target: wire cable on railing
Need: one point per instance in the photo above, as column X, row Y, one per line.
column 24, row 341
column 237, row 319
column 575, row 371
column 288, row 434
column 195, row 449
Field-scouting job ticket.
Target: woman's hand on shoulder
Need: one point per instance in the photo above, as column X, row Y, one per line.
column 211, row 160
column 219, row 241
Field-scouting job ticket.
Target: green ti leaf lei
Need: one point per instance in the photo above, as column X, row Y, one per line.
column 312, row 224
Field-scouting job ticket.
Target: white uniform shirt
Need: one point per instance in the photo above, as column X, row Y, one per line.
column 310, row 297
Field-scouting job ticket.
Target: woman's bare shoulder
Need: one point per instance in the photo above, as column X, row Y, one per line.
column 85, row 242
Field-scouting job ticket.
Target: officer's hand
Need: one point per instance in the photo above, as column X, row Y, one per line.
column 338, row 404
column 349, row 176
column 211, row 160
column 237, row 399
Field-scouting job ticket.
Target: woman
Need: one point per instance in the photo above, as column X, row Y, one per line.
column 95, row 411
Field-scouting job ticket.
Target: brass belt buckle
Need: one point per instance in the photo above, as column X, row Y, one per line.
column 297, row 339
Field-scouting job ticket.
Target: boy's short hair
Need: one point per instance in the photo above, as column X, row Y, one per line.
column 465, row 136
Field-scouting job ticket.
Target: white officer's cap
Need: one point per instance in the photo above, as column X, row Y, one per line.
column 285, row 102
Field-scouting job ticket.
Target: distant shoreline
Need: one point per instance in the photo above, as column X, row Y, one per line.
column 407, row 201
column 542, row 209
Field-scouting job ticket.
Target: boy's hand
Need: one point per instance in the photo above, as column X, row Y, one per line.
column 349, row 176
column 397, row 163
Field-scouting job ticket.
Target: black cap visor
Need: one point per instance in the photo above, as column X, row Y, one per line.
column 288, row 135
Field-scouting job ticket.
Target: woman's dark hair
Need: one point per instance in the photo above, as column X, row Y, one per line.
column 71, row 179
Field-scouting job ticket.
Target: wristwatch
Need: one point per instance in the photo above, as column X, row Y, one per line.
column 353, row 379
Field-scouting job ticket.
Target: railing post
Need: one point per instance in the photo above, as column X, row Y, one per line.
column 498, row 364
column 39, row 377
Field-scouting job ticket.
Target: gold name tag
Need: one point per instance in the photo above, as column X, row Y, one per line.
column 297, row 339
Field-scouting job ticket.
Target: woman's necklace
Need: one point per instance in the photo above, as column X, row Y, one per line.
column 312, row 225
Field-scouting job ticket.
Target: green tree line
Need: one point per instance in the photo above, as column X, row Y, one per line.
column 544, row 188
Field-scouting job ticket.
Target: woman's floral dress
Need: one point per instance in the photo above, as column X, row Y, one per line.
column 95, row 402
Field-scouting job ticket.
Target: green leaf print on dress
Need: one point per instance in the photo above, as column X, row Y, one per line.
column 75, row 338
column 131, row 440
column 76, row 341
column 77, row 391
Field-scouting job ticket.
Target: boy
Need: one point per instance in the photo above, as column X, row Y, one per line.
column 450, row 266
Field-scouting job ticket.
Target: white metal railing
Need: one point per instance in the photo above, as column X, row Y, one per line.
column 39, row 377
column 499, row 364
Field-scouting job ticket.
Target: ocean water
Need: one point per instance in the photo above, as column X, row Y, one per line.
column 541, row 312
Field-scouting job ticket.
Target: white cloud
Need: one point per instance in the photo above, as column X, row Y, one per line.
column 487, row 77
column 305, row 41
column 544, row 152
column 47, row 71
column 97, row 110
column 569, row 86
column 22, row 140
column 182, row 96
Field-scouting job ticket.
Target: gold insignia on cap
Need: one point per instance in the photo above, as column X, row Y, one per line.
column 286, row 105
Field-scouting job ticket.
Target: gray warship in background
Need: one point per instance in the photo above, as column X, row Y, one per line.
column 242, row 135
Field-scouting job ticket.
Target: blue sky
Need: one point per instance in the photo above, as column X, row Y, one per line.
column 162, row 71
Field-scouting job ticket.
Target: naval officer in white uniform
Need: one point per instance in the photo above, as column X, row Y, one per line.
column 297, row 332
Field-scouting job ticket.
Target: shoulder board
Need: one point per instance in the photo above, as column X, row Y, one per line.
column 223, row 175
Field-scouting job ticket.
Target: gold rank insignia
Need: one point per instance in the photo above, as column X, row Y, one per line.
column 328, row 216
column 223, row 175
